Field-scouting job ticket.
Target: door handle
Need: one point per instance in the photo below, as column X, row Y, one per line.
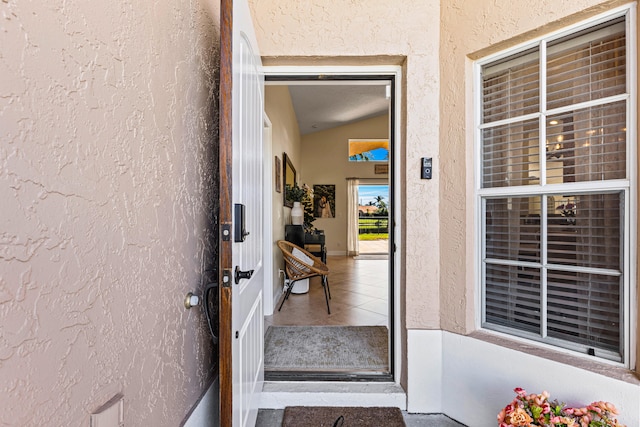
column 242, row 274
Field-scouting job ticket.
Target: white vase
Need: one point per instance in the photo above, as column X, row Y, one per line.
column 297, row 214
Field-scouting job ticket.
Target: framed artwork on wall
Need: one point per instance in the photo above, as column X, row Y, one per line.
column 278, row 175
column 381, row 169
column 324, row 201
column 289, row 178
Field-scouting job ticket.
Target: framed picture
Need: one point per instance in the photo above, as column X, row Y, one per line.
column 278, row 175
column 368, row 150
column 288, row 177
column 381, row 169
column 324, row 201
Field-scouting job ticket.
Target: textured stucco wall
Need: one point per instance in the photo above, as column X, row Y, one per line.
column 468, row 27
column 377, row 28
column 437, row 40
column 108, row 129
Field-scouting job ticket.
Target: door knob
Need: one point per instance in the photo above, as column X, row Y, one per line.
column 242, row 274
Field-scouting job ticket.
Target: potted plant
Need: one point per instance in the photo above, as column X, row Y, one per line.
column 303, row 196
column 532, row 410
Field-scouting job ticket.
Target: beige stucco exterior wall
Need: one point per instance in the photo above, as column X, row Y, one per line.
column 385, row 31
column 438, row 40
column 325, row 160
column 470, row 30
column 108, row 132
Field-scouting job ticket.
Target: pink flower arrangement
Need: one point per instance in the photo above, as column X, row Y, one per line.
column 535, row 410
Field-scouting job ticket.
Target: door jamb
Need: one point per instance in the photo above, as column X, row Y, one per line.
column 395, row 252
column 267, row 260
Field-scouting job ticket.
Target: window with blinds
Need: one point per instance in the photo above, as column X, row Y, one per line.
column 554, row 189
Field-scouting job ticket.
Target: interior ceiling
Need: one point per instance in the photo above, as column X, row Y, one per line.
column 325, row 105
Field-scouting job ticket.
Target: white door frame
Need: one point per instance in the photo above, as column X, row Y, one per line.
column 396, row 256
column 268, row 219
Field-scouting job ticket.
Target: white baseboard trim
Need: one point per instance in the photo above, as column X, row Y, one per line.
column 276, row 298
column 424, row 364
column 337, row 253
column 445, row 369
column 280, row 394
column 206, row 411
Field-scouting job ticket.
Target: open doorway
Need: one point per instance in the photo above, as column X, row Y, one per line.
column 362, row 290
column 373, row 221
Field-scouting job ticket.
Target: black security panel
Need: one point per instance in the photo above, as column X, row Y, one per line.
column 427, row 167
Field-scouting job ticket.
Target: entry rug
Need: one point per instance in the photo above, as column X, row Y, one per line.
column 322, row 416
column 326, row 348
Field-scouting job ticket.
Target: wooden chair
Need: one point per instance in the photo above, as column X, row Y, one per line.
column 301, row 264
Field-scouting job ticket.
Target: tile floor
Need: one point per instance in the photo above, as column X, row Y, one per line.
column 359, row 296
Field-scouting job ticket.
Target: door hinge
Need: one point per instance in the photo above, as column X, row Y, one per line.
column 226, row 278
column 226, row 232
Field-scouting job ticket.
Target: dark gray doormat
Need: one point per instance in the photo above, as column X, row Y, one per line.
column 326, row 348
column 323, row 416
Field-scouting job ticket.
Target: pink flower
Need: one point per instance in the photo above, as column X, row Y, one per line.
column 554, row 414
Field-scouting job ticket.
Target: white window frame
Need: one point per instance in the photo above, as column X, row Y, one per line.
column 629, row 186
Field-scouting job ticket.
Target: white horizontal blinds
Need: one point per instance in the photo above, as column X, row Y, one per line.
column 585, row 309
column 512, row 297
column 512, row 292
column 586, row 231
column 511, row 87
column 590, row 143
column 584, row 305
column 586, row 66
column 553, row 259
column 513, row 229
column 510, row 154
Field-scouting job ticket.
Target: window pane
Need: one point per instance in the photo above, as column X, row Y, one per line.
column 584, row 140
column 510, row 155
column 513, row 228
column 586, row 231
column 368, row 150
column 513, row 297
column 587, row 145
column 585, row 309
column 510, row 88
column 587, row 66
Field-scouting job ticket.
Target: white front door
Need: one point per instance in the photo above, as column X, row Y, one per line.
column 241, row 218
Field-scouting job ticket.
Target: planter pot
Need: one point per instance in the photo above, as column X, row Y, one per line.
column 297, row 214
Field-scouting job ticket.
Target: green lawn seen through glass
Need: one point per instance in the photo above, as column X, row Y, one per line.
column 373, row 236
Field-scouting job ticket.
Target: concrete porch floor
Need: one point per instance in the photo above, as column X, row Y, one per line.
column 373, row 246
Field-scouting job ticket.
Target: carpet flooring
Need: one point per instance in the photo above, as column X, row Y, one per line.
column 326, row 348
column 322, row 416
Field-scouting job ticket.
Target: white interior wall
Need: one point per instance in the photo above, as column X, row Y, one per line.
column 325, row 160
column 285, row 138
